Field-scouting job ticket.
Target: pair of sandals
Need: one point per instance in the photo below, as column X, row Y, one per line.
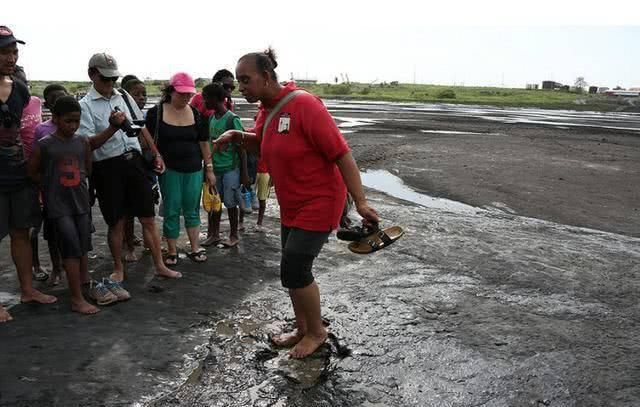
column 199, row 256
column 369, row 239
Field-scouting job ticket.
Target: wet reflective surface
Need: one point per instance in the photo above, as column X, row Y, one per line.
column 471, row 307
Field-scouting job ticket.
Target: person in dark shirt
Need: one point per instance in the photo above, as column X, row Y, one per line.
column 182, row 139
column 61, row 162
column 19, row 209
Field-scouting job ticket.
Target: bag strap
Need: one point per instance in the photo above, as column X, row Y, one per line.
column 157, row 128
column 125, row 96
column 279, row 107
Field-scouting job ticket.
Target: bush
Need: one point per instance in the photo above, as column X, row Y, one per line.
column 365, row 91
column 446, row 94
column 341, row 89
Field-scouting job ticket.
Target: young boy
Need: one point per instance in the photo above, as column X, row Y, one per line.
column 61, row 162
column 51, row 94
column 227, row 164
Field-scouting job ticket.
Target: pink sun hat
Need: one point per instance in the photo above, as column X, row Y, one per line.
column 182, row 82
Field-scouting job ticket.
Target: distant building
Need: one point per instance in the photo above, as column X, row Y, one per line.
column 551, row 85
column 593, row 90
column 602, row 89
column 532, row 86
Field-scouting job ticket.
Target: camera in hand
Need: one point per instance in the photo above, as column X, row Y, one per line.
column 131, row 129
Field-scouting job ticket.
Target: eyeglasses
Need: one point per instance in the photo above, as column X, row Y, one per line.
column 108, row 78
column 229, row 87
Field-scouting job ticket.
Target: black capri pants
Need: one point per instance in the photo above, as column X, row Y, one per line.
column 299, row 250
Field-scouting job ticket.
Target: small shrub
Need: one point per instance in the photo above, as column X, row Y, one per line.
column 365, row 91
column 341, row 89
column 446, row 94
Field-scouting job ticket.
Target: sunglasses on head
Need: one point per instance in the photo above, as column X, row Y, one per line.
column 108, row 78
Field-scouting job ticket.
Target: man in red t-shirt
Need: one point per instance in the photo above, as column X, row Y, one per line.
column 312, row 168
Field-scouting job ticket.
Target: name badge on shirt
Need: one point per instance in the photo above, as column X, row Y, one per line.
column 284, row 123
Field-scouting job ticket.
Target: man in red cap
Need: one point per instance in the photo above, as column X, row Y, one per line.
column 19, row 210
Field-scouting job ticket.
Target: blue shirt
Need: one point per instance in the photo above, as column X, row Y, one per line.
column 96, row 110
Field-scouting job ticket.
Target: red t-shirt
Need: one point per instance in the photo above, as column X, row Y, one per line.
column 301, row 161
column 198, row 102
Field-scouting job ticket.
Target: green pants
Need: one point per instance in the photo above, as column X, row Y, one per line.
column 180, row 194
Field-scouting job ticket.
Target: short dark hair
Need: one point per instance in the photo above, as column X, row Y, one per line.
column 126, row 79
column 265, row 61
column 214, row 91
column 66, row 104
column 221, row 74
column 128, row 85
column 54, row 87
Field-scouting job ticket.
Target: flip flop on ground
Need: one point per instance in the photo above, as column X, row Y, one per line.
column 377, row 240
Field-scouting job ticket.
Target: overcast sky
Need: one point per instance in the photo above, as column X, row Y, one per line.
column 482, row 42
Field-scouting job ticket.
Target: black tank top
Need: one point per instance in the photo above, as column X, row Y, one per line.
column 64, row 180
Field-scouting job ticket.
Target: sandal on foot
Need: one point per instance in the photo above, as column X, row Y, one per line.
column 377, row 240
column 199, row 256
column 171, row 257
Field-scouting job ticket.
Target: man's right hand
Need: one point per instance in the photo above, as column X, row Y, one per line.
column 116, row 119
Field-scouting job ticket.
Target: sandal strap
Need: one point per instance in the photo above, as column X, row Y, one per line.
column 384, row 237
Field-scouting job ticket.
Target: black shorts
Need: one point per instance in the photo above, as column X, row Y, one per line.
column 72, row 235
column 299, row 250
column 19, row 209
column 123, row 188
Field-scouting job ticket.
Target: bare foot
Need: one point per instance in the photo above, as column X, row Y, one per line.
column 84, row 307
column 231, row 242
column 287, row 339
column 241, row 227
column 307, row 345
column 4, row 315
column 130, row 257
column 211, row 240
column 117, row 276
column 167, row 273
column 37, row 296
column 260, row 228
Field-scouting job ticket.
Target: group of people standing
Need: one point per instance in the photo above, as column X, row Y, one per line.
column 188, row 140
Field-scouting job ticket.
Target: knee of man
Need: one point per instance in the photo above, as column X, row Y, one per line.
column 295, row 269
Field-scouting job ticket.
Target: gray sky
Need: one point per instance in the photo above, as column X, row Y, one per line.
column 486, row 42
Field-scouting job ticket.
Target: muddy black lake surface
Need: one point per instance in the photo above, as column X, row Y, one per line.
column 517, row 283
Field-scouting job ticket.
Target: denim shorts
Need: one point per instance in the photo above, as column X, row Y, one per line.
column 228, row 186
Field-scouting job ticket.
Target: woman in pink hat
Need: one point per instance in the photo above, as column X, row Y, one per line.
column 182, row 139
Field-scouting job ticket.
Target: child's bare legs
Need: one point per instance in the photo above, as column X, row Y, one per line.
column 233, row 223
column 129, row 241
column 213, row 231
column 76, row 270
column 56, row 263
column 39, row 273
column 241, row 218
column 261, row 210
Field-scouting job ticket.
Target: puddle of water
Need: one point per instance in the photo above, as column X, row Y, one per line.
column 449, row 132
column 386, row 182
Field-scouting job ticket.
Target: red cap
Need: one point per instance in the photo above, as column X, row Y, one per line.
column 182, row 82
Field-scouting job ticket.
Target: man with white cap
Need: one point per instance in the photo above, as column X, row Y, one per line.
column 19, row 209
column 118, row 170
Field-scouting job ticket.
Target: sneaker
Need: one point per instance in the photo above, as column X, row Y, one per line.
column 101, row 294
column 116, row 289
